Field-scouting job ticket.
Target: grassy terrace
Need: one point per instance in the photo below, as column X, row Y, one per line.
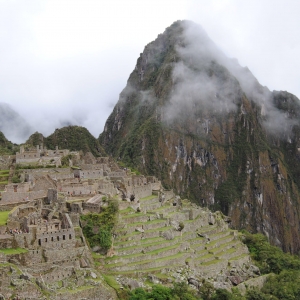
column 3, row 217
column 126, row 211
column 154, row 252
column 135, row 215
column 144, row 241
column 160, row 241
column 223, row 246
column 238, row 257
column 175, row 256
column 148, row 270
column 10, row 251
column 148, row 222
column 146, row 231
column 167, row 258
column 213, row 243
column 149, row 198
column 212, row 262
column 111, row 281
column 4, row 172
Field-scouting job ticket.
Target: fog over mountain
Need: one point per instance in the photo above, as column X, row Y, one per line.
column 66, row 62
column 13, row 125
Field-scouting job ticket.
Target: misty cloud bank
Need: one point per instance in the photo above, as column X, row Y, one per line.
column 13, row 126
column 205, row 80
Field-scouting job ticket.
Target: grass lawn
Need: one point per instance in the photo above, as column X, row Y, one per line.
column 9, row 251
column 3, row 217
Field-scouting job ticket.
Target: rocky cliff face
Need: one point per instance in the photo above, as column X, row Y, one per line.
column 208, row 129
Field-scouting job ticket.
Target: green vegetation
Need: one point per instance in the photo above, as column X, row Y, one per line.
column 98, row 228
column 24, row 167
column 4, row 174
column 7, row 147
column 180, row 291
column 65, row 160
column 74, row 138
column 11, row 251
column 285, row 283
column 3, row 217
column 269, row 259
column 15, row 179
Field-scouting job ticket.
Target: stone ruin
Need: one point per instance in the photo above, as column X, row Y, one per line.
column 157, row 233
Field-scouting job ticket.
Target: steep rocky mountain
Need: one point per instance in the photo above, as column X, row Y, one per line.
column 205, row 126
column 74, row 138
column 12, row 124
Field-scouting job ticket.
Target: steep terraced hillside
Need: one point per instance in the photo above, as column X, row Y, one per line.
column 176, row 240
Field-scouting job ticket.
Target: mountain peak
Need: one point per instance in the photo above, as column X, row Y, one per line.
column 207, row 128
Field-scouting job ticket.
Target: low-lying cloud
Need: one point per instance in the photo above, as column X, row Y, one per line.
column 205, row 80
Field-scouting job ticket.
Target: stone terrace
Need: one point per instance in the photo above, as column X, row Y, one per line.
column 153, row 241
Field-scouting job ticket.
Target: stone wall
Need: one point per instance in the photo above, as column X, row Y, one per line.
column 59, row 176
column 92, row 207
column 107, row 187
column 43, row 183
column 168, row 194
column 63, row 238
column 7, row 241
column 70, row 257
column 9, row 206
column 78, row 189
column 35, row 256
column 142, row 191
column 6, row 161
column 58, row 274
column 24, row 240
column 119, row 173
column 17, row 187
column 76, row 207
column 75, row 219
column 12, row 197
column 90, row 173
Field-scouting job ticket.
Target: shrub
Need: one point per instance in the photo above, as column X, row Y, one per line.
column 105, row 222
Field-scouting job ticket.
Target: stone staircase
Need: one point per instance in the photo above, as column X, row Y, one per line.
column 150, row 241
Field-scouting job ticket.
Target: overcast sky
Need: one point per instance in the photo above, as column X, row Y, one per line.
column 67, row 61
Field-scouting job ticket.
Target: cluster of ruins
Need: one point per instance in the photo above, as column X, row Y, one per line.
column 47, row 204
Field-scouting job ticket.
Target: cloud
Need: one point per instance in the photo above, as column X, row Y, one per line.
column 12, row 125
column 67, row 61
column 205, row 81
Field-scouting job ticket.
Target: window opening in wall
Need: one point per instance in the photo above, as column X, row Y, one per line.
column 58, row 238
column 52, row 239
column 46, row 240
column 39, row 242
column 70, row 236
column 64, row 237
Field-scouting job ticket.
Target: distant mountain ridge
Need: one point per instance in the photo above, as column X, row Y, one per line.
column 206, row 127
